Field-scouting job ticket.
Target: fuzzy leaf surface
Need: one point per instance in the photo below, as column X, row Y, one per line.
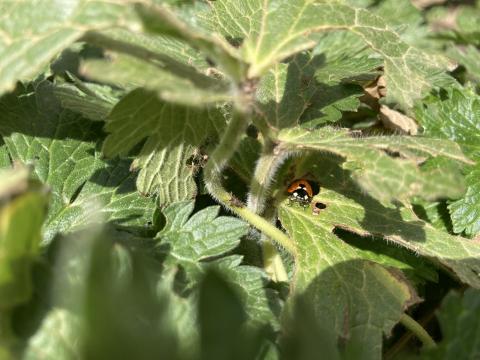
column 183, row 85
column 348, row 207
column 30, row 39
column 193, row 240
column 173, row 133
column 57, row 337
column 61, row 147
column 184, row 25
column 290, row 93
column 360, row 299
column 172, row 68
column 93, row 101
column 457, row 117
column 378, row 172
column 282, row 28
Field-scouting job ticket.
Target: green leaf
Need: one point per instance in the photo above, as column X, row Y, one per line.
column 460, row 327
column 329, row 102
column 287, row 27
column 417, row 269
column 359, row 299
column 222, row 319
column 195, row 242
column 469, row 57
column 244, row 13
column 171, row 80
column 135, row 56
column 30, row 39
column 57, row 337
column 174, row 133
column 349, row 207
column 398, row 12
column 467, row 23
column 285, row 90
column 61, row 147
column 456, row 117
column 436, row 213
column 453, row 116
column 170, row 67
column 22, row 213
column 289, row 94
column 346, row 58
column 375, row 170
column 307, row 336
column 93, row 101
column 465, row 212
column 164, row 20
column 202, row 236
column 108, row 196
column 220, row 315
column 125, row 312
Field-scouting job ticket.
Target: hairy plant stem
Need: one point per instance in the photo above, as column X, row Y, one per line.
column 263, row 176
column 213, row 181
column 272, row 261
column 418, row 330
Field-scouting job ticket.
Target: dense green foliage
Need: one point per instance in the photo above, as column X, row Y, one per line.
column 146, row 152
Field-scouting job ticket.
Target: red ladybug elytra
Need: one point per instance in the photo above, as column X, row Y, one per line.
column 301, row 192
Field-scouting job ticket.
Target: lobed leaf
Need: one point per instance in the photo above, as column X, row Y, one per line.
column 61, row 147
column 359, row 299
column 173, row 134
column 173, row 81
column 289, row 94
column 456, row 117
column 93, row 101
column 350, row 208
column 163, row 20
column 30, row 39
column 288, row 27
column 196, row 242
column 375, row 170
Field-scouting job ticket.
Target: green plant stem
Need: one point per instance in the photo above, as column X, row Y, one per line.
column 272, row 261
column 213, row 181
column 267, row 228
column 418, row 330
column 263, row 176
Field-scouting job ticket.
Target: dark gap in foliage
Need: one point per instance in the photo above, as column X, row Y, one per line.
column 393, row 154
column 235, row 42
column 77, row 192
column 425, row 313
column 231, row 184
column 252, row 131
column 442, row 209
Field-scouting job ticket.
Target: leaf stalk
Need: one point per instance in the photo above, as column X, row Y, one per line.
column 213, row 180
column 418, row 330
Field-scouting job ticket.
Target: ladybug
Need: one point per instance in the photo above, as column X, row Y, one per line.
column 300, row 192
